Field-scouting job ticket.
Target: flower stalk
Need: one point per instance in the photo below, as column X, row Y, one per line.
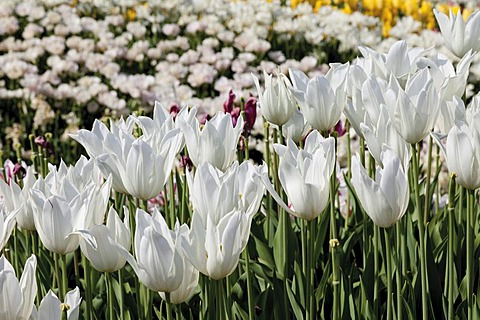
column 469, row 231
column 421, row 229
column 388, row 258
column 110, row 295
column 451, row 240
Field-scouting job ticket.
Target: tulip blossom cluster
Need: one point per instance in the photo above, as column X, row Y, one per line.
column 223, row 208
column 18, row 296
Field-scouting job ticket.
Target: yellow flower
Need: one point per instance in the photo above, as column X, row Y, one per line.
column 425, row 15
column 346, row 9
column 369, row 6
column 411, row 8
column 131, row 14
column 399, row 5
column 445, row 8
column 466, row 13
column 387, row 19
column 320, row 3
column 295, row 3
column 352, row 4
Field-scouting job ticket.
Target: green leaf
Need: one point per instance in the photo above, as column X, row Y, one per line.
column 407, row 308
column 264, row 253
column 298, row 310
column 279, row 244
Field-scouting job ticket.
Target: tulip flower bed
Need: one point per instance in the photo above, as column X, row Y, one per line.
column 345, row 194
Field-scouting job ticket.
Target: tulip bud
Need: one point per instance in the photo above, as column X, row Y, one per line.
column 19, row 170
column 386, row 198
column 459, row 36
column 174, row 110
column 228, row 104
column 250, row 113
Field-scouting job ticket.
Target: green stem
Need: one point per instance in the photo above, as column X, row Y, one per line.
column 398, row 275
column 276, row 180
column 421, row 229
column 110, row 297
column 388, row 258
column 451, row 219
column 376, row 266
column 119, row 201
column 15, row 250
column 120, row 283
column 303, row 235
column 132, row 212
column 171, row 201
column 305, row 232
column 57, row 275
column 403, row 246
column 349, row 174
column 169, row 306
column 148, row 302
column 88, row 287
column 227, row 294
column 365, row 235
column 165, row 206
column 251, row 306
column 461, row 208
column 311, row 225
column 469, row 226
column 278, row 138
column 207, row 299
column 245, row 136
column 183, row 218
column 36, row 251
column 220, row 300
column 247, row 152
column 334, row 243
column 428, row 197
column 75, row 268
column 269, row 231
column 28, row 245
column 437, row 187
column 64, row 276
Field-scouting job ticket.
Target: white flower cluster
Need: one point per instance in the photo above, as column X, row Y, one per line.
column 108, row 53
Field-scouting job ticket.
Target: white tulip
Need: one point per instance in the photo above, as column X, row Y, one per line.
column 17, row 297
column 459, row 36
column 105, row 256
column 159, row 260
column 321, row 99
column 56, row 220
column 462, row 152
column 304, row 175
column 51, row 308
column 416, row 108
column 18, row 199
column 216, row 143
column 384, row 199
column 215, row 193
column 385, row 133
column 7, row 223
column 296, row 128
column 276, row 102
column 214, row 247
column 188, row 287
